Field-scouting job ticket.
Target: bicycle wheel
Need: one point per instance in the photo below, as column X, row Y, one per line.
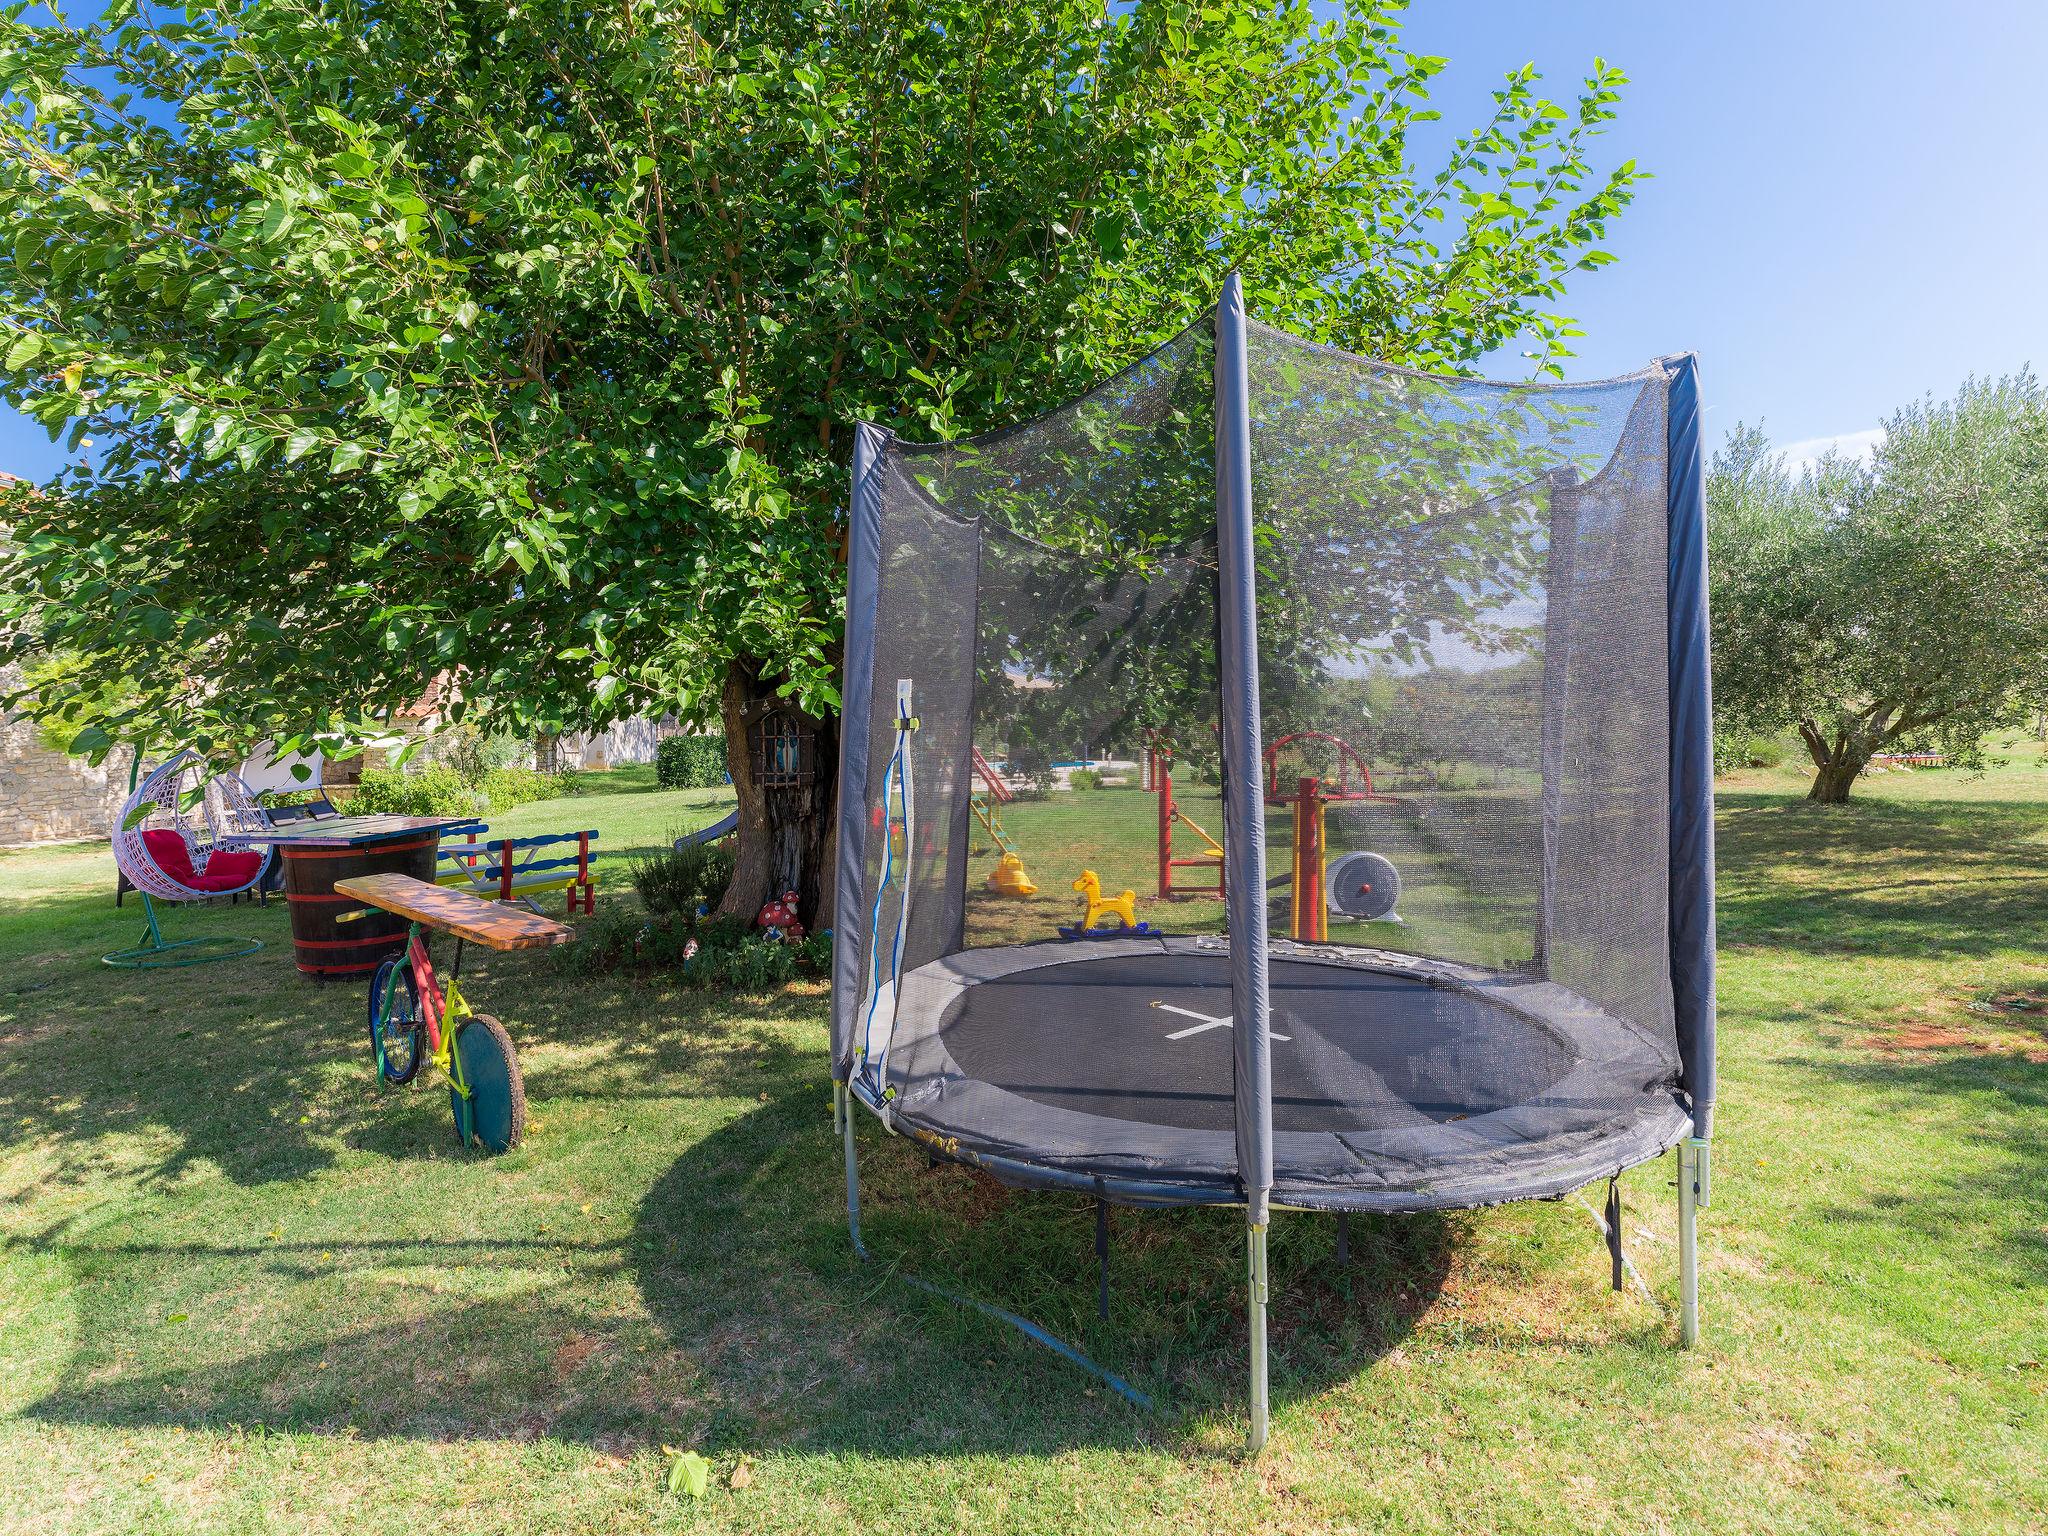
column 398, row 1041
column 497, row 1093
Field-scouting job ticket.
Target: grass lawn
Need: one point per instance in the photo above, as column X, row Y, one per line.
column 242, row 1289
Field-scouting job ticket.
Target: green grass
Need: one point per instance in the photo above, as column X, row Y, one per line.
column 242, row 1289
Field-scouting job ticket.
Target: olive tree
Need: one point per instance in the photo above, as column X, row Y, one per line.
column 1905, row 601
column 517, row 347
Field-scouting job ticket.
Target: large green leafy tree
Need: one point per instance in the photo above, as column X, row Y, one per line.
column 1902, row 602
column 519, row 346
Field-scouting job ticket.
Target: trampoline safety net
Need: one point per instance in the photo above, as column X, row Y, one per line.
column 1449, row 851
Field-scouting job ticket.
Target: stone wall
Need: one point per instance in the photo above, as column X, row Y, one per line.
column 47, row 796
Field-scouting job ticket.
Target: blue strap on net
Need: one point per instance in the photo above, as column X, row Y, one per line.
column 891, row 782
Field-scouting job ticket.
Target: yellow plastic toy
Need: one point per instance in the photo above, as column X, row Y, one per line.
column 1009, row 878
column 1123, row 907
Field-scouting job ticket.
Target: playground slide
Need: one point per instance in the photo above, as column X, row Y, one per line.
column 712, row 833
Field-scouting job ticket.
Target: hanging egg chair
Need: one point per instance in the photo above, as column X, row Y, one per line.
column 174, row 840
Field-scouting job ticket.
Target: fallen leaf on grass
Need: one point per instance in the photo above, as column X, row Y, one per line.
column 687, row 1472
column 742, row 1476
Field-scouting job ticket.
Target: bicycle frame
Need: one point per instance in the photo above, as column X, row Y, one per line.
column 437, row 1005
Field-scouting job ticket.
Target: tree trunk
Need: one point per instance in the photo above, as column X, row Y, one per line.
column 787, row 835
column 1831, row 783
column 547, row 752
column 1836, row 763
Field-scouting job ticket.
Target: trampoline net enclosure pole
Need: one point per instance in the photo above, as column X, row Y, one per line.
column 1255, row 1242
column 1244, row 837
column 1694, row 1191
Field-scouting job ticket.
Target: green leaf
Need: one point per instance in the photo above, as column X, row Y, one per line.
column 28, row 346
column 299, row 444
column 92, row 739
column 688, row 1473
column 346, row 457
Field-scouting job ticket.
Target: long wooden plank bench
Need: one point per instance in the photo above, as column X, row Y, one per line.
column 491, row 924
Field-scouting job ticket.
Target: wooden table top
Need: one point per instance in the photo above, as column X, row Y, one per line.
column 351, row 831
column 494, row 924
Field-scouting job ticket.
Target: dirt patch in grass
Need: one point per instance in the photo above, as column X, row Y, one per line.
column 569, row 1356
column 2003, row 1026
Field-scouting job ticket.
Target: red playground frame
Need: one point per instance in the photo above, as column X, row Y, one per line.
column 1159, row 779
column 1309, row 921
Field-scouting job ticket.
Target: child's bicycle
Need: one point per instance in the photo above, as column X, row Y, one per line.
column 409, row 1006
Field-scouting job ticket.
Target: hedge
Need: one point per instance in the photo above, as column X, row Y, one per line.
column 690, row 762
column 440, row 791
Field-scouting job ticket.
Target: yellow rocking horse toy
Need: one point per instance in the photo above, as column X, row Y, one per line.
column 1100, row 908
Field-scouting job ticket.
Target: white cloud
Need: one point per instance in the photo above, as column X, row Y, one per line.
column 1809, row 451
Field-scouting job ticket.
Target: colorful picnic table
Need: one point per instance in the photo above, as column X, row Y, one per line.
column 318, row 853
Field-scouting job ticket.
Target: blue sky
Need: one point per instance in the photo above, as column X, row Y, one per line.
column 1848, row 207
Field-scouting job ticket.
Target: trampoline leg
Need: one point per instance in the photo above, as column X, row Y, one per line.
column 1256, row 1316
column 1102, row 1259
column 852, row 1180
column 838, row 1107
column 1343, row 1239
column 1692, row 1194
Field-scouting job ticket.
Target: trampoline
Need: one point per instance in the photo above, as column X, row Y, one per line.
column 1493, row 593
column 1398, row 1084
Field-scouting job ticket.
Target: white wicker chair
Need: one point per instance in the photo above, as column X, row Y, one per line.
column 168, row 854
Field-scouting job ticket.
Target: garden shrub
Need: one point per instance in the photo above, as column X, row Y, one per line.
column 731, row 955
column 429, row 792
column 1764, row 752
column 504, row 788
column 1734, row 749
column 440, row 791
column 690, row 762
column 1085, row 778
column 676, row 880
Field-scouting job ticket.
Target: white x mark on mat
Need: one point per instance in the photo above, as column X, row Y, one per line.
column 1207, row 1022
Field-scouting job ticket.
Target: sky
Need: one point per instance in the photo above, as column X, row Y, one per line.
column 1846, row 212
column 1847, row 209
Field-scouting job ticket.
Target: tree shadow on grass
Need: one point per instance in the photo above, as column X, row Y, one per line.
column 210, row 1064
column 213, row 1066
column 909, row 1372
column 1926, row 879
column 728, row 1310
column 732, row 1314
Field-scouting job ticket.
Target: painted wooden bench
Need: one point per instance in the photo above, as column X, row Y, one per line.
column 466, row 916
column 502, row 868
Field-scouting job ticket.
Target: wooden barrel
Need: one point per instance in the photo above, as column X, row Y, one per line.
column 356, row 948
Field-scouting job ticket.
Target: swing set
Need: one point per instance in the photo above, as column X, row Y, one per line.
column 1159, row 779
